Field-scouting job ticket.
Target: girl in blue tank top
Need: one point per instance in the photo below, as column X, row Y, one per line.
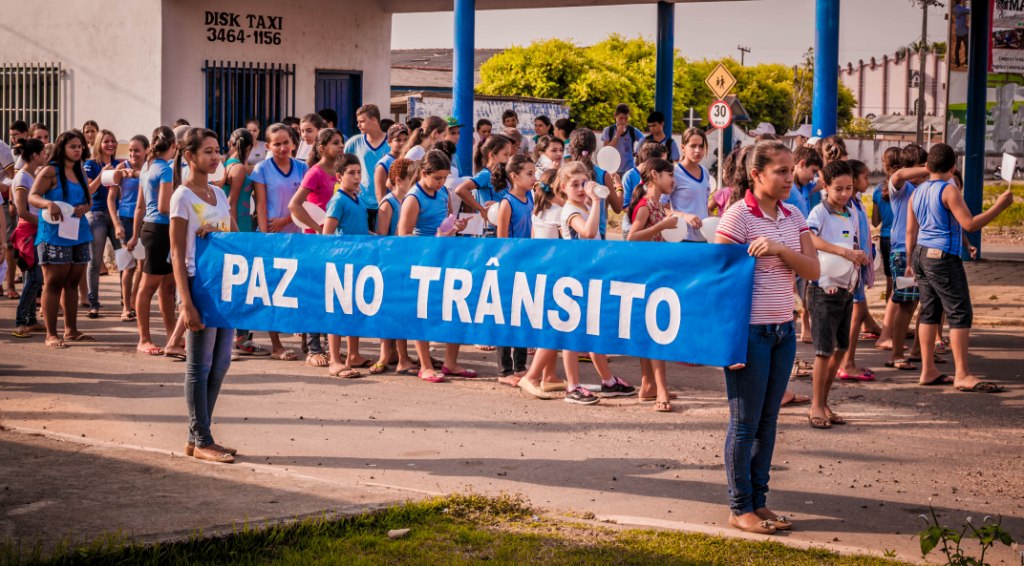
column 401, row 175
column 515, row 212
column 423, row 212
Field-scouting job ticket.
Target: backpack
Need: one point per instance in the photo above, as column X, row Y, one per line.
column 610, row 132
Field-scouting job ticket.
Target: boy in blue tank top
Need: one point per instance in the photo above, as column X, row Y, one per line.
column 937, row 216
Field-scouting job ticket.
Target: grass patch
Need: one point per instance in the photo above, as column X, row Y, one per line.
column 459, row 529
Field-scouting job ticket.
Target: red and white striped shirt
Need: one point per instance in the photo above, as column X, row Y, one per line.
column 745, row 222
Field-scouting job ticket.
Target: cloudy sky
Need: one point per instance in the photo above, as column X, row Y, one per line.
column 775, row 30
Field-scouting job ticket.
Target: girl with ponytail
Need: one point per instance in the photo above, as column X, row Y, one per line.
column 424, row 137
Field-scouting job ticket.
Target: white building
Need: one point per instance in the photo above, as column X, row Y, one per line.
column 889, row 86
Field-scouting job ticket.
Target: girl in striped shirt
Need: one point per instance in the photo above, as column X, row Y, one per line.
column 776, row 235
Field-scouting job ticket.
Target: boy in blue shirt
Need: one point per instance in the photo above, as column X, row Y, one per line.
column 622, row 137
column 656, row 125
column 369, row 147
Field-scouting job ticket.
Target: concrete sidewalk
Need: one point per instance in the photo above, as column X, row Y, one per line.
column 308, row 443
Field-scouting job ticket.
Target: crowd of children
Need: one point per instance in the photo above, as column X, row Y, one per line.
column 799, row 212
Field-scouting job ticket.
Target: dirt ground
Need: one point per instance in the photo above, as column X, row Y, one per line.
column 93, row 438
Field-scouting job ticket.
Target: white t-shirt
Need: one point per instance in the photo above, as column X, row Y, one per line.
column 416, row 153
column 23, row 179
column 6, row 160
column 546, row 224
column 259, row 153
column 568, row 211
column 187, row 205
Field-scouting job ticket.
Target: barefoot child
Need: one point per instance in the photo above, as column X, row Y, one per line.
column 649, row 221
column 834, row 228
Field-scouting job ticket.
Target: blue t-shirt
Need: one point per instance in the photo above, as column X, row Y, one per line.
column 601, row 178
column 899, row 200
column 368, row 157
column 939, row 229
column 280, row 187
column 884, row 210
column 798, row 197
column 350, row 213
column 630, row 181
column 485, row 191
column 75, row 196
column 396, row 213
column 93, row 169
column 433, row 210
column 625, row 146
column 521, row 223
column 386, row 162
column 960, row 14
column 159, row 171
column 128, row 196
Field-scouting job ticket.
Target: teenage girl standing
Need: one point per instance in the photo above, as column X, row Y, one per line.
column 398, row 136
column 692, row 190
column 777, row 235
column 100, row 223
column 122, row 200
column 515, row 220
column 32, row 154
column 424, row 137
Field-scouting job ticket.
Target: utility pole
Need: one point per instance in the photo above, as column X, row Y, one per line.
column 923, row 55
column 743, row 53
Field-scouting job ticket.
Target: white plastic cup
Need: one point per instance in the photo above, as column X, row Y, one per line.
column 903, row 282
column 110, row 177
column 601, row 192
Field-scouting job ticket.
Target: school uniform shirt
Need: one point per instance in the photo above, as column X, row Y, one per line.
column 884, row 211
column 74, row 194
column 350, row 211
column 485, row 191
column 691, row 195
column 938, row 228
column 127, row 196
column 187, row 205
column 630, row 181
column 93, row 169
column 369, row 156
column 280, row 187
column 626, row 146
column 22, row 178
column 568, row 212
column 159, row 171
column 898, row 200
column 415, row 153
column 521, row 223
column 799, row 195
column 840, row 228
column 601, row 178
column 386, row 162
column 258, row 154
column 396, row 212
column 670, row 145
column 812, row 193
column 433, row 210
column 743, row 223
column 547, row 223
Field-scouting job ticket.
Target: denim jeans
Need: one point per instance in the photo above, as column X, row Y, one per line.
column 102, row 230
column 26, row 314
column 313, row 343
column 208, row 357
column 755, row 396
column 511, row 359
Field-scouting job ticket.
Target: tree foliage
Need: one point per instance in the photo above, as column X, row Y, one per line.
column 593, row 80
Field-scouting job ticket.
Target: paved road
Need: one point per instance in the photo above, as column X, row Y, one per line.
column 309, row 443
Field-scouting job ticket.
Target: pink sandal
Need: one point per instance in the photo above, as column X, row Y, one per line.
column 432, row 378
column 868, row 375
column 463, row 373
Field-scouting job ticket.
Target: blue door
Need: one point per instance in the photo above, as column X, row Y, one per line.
column 341, row 91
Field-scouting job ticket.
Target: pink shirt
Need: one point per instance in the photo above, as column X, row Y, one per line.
column 743, row 223
column 320, row 186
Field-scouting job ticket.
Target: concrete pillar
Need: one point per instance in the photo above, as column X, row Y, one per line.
column 665, row 63
column 826, row 68
column 977, row 92
column 462, row 79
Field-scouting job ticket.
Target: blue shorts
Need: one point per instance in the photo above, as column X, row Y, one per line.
column 859, row 296
column 898, row 264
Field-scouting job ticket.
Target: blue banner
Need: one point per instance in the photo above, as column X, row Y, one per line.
column 678, row 302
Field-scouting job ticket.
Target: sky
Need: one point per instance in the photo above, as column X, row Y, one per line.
column 776, row 31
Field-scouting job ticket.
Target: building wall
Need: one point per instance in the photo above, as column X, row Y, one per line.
column 354, row 35
column 885, row 86
column 112, row 75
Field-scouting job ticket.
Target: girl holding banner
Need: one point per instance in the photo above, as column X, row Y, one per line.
column 197, row 209
column 401, row 174
column 764, row 176
column 426, row 212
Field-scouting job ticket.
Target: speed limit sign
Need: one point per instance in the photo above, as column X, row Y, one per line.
column 720, row 114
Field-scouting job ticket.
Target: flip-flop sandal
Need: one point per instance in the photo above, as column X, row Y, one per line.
column 431, row 378
column 467, row 373
column 649, row 399
column 485, row 348
column 362, row 364
column 797, row 400
column 941, row 380
column 20, row 334
column 285, row 356
column 317, row 360
column 154, row 351
column 58, row 345
column 869, row 336
column 127, row 317
column 819, row 422
column 982, row 387
column 836, row 419
column 902, row 365
column 862, row 377
column 346, row 373
column 93, row 314
column 408, row 371
column 13, row 295
column 175, row 355
column 378, row 368
column 80, row 338
column 663, row 406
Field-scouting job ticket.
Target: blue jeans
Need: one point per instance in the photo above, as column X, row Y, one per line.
column 208, row 357
column 102, row 228
column 26, row 314
column 755, row 396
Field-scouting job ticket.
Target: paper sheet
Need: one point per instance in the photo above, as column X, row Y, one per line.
column 475, row 224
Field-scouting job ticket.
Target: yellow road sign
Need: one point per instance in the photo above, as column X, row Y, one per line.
column 720, row 81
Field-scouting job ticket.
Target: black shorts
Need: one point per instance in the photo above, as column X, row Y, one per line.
column 156, row 239
column 886, row 245
column 943, row 285
column 830, row 319
column 371, row 219
column 49, row 254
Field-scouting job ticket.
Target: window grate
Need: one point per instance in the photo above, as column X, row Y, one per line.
column 238, row 91
column 31, row 92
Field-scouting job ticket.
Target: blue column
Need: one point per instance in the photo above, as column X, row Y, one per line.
column 462, row 80
column 977, row 92
column 826, row 68
column 665, row 65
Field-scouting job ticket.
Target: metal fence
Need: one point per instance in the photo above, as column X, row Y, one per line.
column 31, row 92
column 240, row 91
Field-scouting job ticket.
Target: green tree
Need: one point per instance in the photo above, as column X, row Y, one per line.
column 804, row 92
column 593, row 80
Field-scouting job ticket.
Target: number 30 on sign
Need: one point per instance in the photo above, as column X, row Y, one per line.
column 720, row 114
